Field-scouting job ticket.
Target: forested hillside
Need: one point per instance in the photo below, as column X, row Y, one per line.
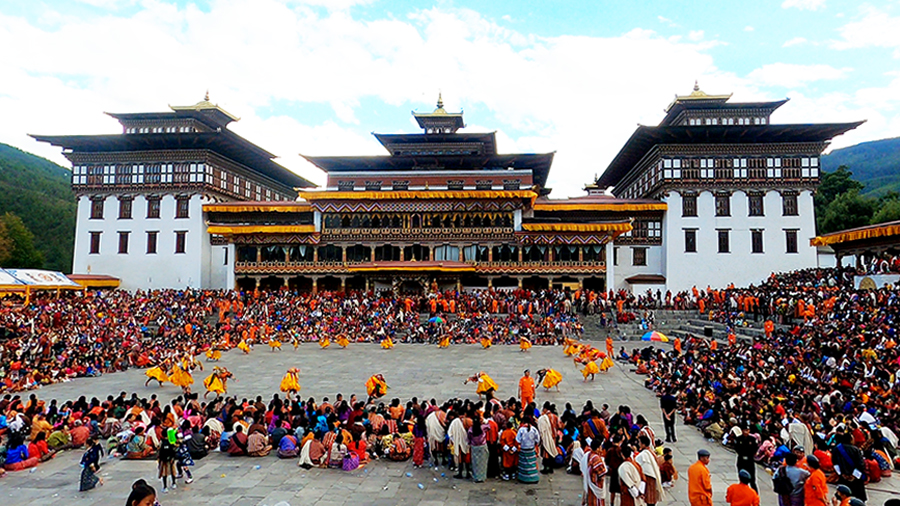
column 37, row 191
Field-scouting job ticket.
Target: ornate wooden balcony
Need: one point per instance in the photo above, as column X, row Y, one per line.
column 425, row 234
column 499, row 268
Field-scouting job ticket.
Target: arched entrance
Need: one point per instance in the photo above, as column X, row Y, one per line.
column 355, row 284
column 329, row 284
column 595, row 283
column 300, row 284
column 245, row 284
column 535, row 284
column 271, row 283
column 505, row 283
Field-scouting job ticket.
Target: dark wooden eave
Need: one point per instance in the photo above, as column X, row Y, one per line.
column 646, row 138
column 224, row 142
column 539, row 164
column 487, row 139
column 683, row 105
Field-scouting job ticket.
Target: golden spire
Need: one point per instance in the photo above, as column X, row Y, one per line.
column 698, row 94
column 206, row 97
column 440, row 102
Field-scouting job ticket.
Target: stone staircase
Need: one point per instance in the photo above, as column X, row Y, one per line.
column 681, row 324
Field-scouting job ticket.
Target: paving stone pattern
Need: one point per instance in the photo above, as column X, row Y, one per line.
column 411, row 370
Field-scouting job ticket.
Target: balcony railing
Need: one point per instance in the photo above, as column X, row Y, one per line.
column 437, row 233
column 249, row 267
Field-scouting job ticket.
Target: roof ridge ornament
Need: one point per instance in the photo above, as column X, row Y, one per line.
column 439, row 121
column 205, row 105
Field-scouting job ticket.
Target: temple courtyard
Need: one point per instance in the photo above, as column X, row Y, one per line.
column 411, row 370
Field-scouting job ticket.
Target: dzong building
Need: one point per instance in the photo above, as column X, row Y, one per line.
column 712, row 195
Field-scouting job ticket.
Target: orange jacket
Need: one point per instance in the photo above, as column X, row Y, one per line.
column 699, row 485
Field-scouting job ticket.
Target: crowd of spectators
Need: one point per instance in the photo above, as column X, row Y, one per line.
column 53, row 339
column 827, row 382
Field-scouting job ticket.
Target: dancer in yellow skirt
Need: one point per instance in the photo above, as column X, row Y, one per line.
column 181, row 376
column 324, row 342
column 376, row 387
column 524, row 344
column 549, row 378
column 342, row 341
column 274, row 344
column 217, row 382
column 445, row 341
column 243, row 346
column 387, row 343
column 290, row 383
column 590, row 369
column 484, row 384
column 157, row 373
column 190, row 361
column 606, row 363
column 486, row 342
column 572, row 347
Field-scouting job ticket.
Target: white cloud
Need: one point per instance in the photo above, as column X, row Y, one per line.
column 806, row 5
column 695, row 35
column 794, row 42
column 875, row 29
column 749, row 28
column 107, row 4
column 569, row 94
column 667, row 21
column 790, row 75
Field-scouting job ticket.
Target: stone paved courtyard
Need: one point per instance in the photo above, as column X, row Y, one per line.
column 411, row 370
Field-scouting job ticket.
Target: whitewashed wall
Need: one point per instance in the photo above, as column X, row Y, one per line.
column 708, row 267
column 137, row 269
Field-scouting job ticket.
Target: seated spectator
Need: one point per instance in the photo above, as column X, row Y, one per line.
column 137, row 447
column 197, row 443
column 258, row 445
column 238, row 443
column 287, row 447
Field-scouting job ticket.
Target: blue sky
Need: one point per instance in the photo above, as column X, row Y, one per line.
column 318, row 76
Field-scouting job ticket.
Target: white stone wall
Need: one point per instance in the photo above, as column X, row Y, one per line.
column 708, row 267
column 624, row 268
column 137, row 269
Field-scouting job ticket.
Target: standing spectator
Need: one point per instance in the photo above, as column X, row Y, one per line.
column 699, row 482
column 529, row 440
column 669, row 406
column 746, row 447
column 815, row 490
column 742, row 494
column 165, row 460
column 789, row 481
column 141, row 494
column 850, row 466
column 90, row 461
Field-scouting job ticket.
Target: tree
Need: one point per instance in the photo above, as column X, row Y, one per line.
column 890, row 211
column 847, row 210
column 23, row 254
column 6, row 245
column 834, row 184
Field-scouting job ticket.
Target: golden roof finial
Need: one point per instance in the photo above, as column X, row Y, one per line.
column 206, row 97
column 440, row 102
column 696, row 85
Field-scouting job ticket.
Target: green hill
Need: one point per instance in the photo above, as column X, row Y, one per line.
column 875, row 164
column 39, row 192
